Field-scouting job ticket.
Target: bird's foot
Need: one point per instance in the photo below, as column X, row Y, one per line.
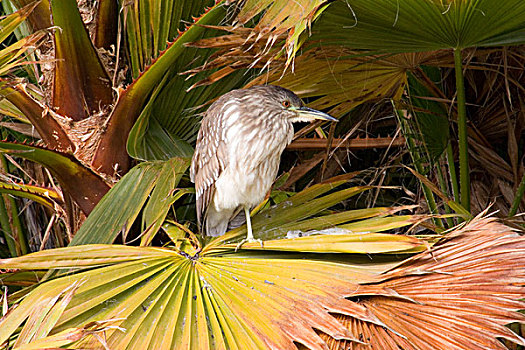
column 248, row 240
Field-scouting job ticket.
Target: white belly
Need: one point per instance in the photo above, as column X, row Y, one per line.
column 235, row 187
column 253, row 162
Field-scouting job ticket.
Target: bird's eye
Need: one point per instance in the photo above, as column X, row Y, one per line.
column 286, row 103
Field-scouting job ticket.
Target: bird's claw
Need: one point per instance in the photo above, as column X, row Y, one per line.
column 248, row 240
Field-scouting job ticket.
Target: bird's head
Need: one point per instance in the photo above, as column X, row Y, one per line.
column 286, row 104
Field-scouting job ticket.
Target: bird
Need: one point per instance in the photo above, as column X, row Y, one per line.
column 238, row 150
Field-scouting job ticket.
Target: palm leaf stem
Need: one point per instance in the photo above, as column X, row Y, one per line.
column 416, row 159
column 15, row 216
column 518, row 197
column 444, row 189
column 464, row 176
column 452, row 172
column 15, row 226
column 6, row 229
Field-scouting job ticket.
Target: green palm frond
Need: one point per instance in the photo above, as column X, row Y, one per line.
column 412, row 25
column 150, row 182
column 14, row 54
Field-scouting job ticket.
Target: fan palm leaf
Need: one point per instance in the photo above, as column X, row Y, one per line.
column 459, row 294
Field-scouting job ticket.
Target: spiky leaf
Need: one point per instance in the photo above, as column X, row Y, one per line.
column 84, row 185
column 45, row 196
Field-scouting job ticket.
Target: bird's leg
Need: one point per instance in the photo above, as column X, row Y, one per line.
column 249, row 237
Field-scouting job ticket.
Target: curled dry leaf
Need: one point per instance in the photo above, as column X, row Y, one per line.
column 458, row 295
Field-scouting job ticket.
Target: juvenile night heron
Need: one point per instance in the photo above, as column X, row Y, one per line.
column 239, row 146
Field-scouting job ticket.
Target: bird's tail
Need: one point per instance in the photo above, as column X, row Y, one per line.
column 216, row 222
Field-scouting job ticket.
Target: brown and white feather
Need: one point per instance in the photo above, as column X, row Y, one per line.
column 239, row 146
column 209, row 159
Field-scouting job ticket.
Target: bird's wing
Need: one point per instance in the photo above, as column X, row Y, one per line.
column 208, row 161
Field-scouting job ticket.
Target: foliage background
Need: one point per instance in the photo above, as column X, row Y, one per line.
column 100, row 111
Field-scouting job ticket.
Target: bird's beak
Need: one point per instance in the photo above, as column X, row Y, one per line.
column 308, row 114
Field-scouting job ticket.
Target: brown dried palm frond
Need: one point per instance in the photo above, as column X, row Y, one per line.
column 239, row 49
column 460, row 294
column 496, row 91
column 279, row 18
